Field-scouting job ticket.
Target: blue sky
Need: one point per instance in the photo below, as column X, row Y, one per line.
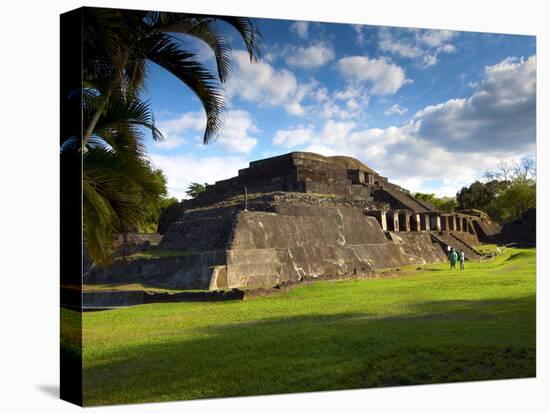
column 430, row 109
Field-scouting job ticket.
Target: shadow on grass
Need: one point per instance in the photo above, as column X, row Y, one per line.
column 434, row 342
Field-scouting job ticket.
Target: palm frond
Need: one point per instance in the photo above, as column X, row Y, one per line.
column 202, row 28
column 249, row 33
column 116, row 188
column 165, row 52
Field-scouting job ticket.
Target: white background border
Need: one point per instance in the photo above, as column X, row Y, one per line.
column 30, row 193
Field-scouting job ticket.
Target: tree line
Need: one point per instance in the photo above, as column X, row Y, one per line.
column 504, row 194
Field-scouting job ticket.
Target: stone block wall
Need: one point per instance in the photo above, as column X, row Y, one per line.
column 192, row 271
column 200, row 230
column 306, row 242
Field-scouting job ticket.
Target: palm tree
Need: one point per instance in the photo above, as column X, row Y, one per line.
column 119, row 43
column 118, row 192
column 119, row 185
column 117, row 179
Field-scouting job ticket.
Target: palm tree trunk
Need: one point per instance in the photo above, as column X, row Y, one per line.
column 99, row 110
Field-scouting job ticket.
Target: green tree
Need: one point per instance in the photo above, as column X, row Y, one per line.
column 479, row 195
column 119, row 44
column 195, row 189
column 509, row 191
column 448, row 204
column 118, row 190
column 121, row 190
column 152, row 211
column 511, row 203
column 444, row 203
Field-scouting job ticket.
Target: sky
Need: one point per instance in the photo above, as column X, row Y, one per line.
column 432, row 110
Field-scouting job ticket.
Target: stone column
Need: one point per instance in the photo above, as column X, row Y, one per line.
column 417, row 220
column 458, row 224
column 404, row 224
column 383, row 221
column 395, row 219
column 380, row 215
column 438, row 223
column 425, row 222
column 444, row 223
column 452, row 222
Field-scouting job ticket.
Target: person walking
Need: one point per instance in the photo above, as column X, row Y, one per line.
column 461, row 258
column 449, row 251
column 453, row 257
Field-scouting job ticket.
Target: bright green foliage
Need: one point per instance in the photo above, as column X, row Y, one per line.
column 153, row 211
column 479, row 195
column 119, row 191
column 195, row 189
column 432, row 325
column 443, row 204
column 511, row 203
column 502, row 200
column 510, row 190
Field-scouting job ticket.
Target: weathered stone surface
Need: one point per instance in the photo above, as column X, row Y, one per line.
column 418, row 248
column 194, row 271
column 307, row 217
column 296, row 226
column 299, row 242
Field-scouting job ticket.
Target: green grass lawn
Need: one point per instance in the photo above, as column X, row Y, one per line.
column 430, row 325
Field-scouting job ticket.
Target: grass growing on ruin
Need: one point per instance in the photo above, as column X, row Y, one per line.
column 157, row 253
column 432, row 325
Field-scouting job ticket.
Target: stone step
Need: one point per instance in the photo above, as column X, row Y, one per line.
column 452, row 240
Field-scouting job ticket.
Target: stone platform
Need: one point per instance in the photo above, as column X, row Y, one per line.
column 265, row 249
column 305, row 216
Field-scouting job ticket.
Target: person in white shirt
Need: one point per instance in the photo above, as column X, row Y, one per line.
column 461, row 256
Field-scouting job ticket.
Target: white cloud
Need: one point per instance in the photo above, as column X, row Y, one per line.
column 295, row 106
column 293, row 137
column 448, row 48
column 346, row 103
column 383, row 77
column 406, row 159
column 301, row 29
column 313, row 56
column 395, row 109
column 182, row 170
column 423, row 45
column 446, row 146
column 259, row 82
column 429, row 60
column 267, row 86
column 407, row 50
column 234, row 137
column 174, row 129
column 360, row 39
column 334, row 132
column 435, row 38
column 499, row 115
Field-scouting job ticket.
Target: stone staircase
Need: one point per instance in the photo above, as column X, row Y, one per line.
column 453, row 240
